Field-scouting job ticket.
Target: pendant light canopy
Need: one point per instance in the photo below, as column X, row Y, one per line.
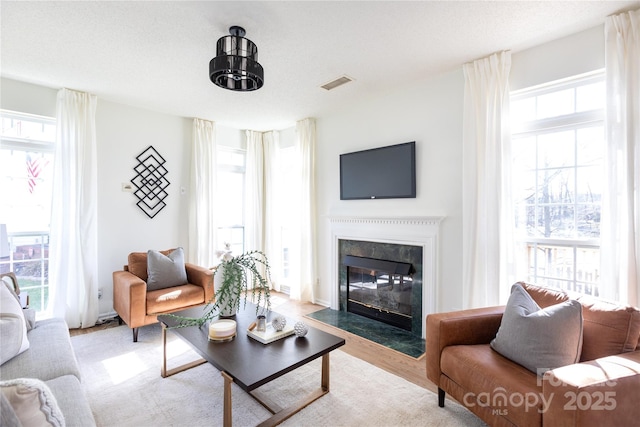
column 236, row 66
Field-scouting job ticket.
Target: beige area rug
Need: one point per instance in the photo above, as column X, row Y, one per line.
column 122, row 380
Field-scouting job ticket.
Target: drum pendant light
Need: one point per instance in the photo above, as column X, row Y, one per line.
column 236, row 66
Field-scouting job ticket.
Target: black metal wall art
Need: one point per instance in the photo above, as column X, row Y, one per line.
column 150, row 182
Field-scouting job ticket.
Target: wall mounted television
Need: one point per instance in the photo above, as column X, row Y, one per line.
column 379, row 173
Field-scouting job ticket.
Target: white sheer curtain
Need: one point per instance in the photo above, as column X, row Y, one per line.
column 73, row 248
column 620, row 224
column 271, row 221
column 303, row 255
column 202, row 203
column 254, row 193
column 486, row 215
column 261, row 224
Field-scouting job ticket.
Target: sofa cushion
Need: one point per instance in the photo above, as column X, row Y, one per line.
column 32, row 402
column 609, row 328
column 544, row 296
column 165, row 271
column 539, row 339
column 49, row 337
column 13, row 326
column 493, row 381
column 137, row 263
column 176, row 298
column 72, row 401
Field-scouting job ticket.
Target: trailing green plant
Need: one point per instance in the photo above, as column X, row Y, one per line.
column 241, row 276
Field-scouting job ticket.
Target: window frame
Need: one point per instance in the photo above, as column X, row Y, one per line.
column 39, row 293
column 534, row 128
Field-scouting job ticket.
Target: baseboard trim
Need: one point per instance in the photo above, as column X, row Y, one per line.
column 106, row 317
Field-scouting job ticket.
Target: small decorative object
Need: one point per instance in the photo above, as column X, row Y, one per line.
column 300, row 329
column 150, row 182
column 222, row 330
column 262, row 323
column 279, row 323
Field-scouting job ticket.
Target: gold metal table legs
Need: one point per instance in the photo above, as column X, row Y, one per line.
column 168, row 372
column 279, row 414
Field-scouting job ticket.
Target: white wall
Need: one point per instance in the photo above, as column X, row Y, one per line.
column 430, row 113
column 123, row 133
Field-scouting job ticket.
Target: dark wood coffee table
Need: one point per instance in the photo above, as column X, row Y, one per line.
column 251, row 364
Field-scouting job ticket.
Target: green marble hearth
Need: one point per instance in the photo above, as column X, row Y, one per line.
column 373, row 330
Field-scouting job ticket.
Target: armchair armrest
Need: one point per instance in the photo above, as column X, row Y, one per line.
column 473, row 326
column 595, row 393
column 203, row 277
column 130, row 298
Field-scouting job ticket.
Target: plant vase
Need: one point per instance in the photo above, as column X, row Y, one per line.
column 228, row 307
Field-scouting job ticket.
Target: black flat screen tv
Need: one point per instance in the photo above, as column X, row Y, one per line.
column 380, row 173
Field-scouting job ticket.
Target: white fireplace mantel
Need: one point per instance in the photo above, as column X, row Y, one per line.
column 415, row 231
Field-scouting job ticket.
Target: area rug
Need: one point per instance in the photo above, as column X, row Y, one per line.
column 123, row 383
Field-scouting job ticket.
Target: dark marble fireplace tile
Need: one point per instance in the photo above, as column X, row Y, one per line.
column 373, row 330
column 391, row 252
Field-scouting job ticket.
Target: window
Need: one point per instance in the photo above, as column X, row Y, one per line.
column 558, row 145
column 230, row 188
column 27, row 144
column 288, row 186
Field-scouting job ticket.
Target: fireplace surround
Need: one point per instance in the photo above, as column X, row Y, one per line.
column 421, row 232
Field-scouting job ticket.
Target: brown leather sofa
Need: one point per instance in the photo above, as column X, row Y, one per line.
column 602, row 389
column 138, row 307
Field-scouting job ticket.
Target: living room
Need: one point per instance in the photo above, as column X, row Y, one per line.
column 428, row 110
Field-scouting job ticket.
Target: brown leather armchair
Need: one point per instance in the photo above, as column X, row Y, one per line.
column 138, row 307
column 600, row 390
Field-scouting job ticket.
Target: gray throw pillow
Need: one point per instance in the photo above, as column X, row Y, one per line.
column 539, row 339
column 165, row 271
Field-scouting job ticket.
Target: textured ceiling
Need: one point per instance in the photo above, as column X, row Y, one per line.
column 155, row 54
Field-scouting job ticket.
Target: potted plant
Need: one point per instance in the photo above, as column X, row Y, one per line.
column 235, row 277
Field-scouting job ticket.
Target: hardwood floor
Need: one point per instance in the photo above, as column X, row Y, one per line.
column 392, row 361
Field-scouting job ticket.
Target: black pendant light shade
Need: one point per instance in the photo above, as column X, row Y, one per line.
column 236, row 66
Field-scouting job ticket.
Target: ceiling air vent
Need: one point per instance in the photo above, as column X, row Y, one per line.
column 337, row 82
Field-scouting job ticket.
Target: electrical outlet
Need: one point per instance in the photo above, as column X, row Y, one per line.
column 99, row 293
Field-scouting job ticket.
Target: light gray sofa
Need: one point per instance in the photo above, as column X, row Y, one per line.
column 50, row 358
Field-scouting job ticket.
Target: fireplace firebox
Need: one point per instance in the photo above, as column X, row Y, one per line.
column 380, row 289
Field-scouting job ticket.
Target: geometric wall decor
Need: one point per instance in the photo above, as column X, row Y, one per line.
column 150, row 182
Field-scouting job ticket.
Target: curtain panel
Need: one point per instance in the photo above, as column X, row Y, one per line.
column 620, row 221
column 254, row 193
column 73, row 248
column 260, row 217
column 202, row 206
column 302, row 283
column 271, row 221
column 264, row 223
column 487, row 213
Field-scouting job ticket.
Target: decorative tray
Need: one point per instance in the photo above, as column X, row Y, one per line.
column 270, row 334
